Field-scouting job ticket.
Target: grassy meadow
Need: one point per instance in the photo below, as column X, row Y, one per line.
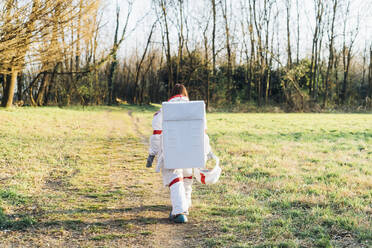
column 76, row 177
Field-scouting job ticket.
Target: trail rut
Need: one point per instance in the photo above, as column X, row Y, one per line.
column 165, row 233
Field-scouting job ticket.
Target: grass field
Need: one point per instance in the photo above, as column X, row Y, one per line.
column 75, row 177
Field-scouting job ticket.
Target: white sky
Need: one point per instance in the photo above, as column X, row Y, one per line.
column 143, row 17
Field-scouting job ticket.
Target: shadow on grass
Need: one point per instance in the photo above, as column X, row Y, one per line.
column 140, row 108
column 304, row 136
column 27, row 220
column 76, row 225
column 119, row 107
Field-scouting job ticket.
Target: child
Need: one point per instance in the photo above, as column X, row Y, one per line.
column 179, row 94
column 179, row 181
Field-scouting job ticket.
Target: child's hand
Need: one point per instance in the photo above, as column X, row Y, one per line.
column 150, row 159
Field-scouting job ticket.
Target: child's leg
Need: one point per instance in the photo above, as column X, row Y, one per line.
column 174, row 180
column 187, row 181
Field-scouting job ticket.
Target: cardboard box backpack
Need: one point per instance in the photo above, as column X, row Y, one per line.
column 184, row 139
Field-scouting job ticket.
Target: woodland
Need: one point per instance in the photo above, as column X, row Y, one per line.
column 227, row 53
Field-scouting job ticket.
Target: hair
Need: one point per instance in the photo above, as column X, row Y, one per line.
column 179, row 89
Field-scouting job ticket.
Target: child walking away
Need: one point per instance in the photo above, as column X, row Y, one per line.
column 180, row 147
column 179, row 94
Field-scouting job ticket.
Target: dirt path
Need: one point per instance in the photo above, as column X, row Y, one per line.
column 165, row 233
column 98, row 194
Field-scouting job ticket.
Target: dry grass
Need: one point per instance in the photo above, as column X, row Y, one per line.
column 73, row 178
column 291, row 180
column 76, row 178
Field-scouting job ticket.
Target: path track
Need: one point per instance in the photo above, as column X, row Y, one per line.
column 165, row 233
column 99, row 193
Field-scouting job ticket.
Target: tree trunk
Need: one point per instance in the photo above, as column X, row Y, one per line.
column 42, row 90
column 139, row 65
column 113, row 64
column 344, row 91
column 335, row 66
column 330, row 58
column 228, row 50
column 289, row 53
column 213, row 42
column 180, row 43
column 168, row 52
column 20, row 87
column 298, row 33
column 315, row 46
column 6, row 83
column 252, row 58
column 319, row 68
column 260, row 56
column 370, row 73
column 9, row 94
column 206, row 64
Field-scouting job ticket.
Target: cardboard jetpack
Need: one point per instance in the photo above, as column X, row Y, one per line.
column 183, row 134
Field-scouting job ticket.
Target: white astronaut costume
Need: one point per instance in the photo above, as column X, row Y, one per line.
column 179, row 181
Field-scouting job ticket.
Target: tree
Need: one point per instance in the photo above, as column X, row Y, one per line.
column 316, row 47
column 347, row 53
column 288, row 8
column 164, row 18
column 228, row 49
column 331, row 38
column 370, row 73
column 26, row 25
column 115, row 47
column 214, row 42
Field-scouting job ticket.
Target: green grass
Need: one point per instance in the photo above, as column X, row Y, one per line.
column 63, row 171
column 289, row 180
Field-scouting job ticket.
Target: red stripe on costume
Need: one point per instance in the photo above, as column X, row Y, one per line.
column 176, row 180
column 202, row 178
column 187, row 177
column 174, row 97
column 157, row 132
column 157, row 113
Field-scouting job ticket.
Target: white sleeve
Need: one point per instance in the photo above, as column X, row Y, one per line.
column 157, row 121
column 155, row 139
column 207, row 146
column 154, row 144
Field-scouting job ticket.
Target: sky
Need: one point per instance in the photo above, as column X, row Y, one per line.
column 143, row 16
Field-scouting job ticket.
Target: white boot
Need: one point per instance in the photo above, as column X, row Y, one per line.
column 188, row 190
column 178, row 198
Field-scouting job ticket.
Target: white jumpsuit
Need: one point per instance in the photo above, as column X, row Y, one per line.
column 179, row 181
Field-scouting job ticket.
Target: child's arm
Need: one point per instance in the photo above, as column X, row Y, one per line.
column 155, row 138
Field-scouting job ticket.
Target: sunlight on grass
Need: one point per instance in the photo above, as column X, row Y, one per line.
column 289, row 180
column 57, row 164
column 309, row 175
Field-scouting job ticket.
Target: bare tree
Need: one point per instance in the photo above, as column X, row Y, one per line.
column 246, row 24
column 347, row 52
column 298, row 33
column 26, row 27
column 228, row 47
column 181, row 40
column 257, row 18
column 370, row 73
column 18, row 53
column 316, row 46
column 214, row 41
column 289, row 53
column 331, row 38
column 164, row 11
column 114, row 49
column 139, row 95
